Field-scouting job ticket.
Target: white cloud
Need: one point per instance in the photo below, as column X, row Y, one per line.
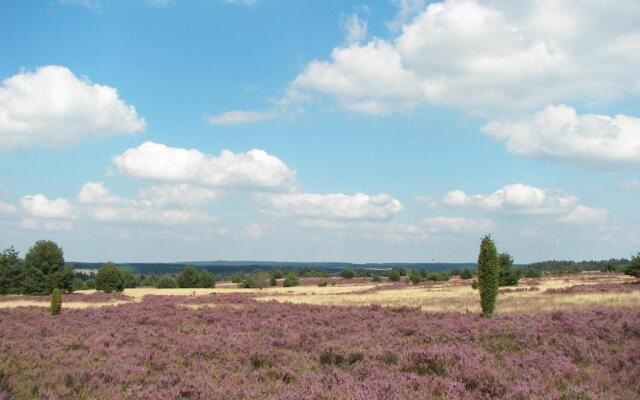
column 141, row 212
column 559, row 133
column 96, row 193
column 515, row 198
column 456, row 224
column 332, row 206
column 254, row 231
column 39, row 206
column 7, row 208
column 588, row 215
column 255, row 169
column 488, row 57
column 355, row 29
column 182, row 195
column 427, row 200
column 151, row 206
column 51, row 107
column 239, row 117
column 33, row 224
column 524, row 199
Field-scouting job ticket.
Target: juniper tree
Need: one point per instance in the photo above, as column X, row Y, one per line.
column 56, row 301
column 488, row 275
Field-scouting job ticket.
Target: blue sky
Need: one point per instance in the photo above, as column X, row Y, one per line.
column 391, row 130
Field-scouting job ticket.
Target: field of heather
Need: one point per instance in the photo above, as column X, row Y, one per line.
column 383, row 341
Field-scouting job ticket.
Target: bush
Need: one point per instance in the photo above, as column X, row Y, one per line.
column 438, row 276
column 376, row 278
column 393, row 275
column 474, row 284
column 532, row 273
column 276, row 274
column 323, row 284
column 466, row 274
column 188, row 278
column 166, row 282
column 634, row 268
column 56, row 302
column 109, row 279
column 290, row 280
column 347, row 274
column 415, row 277
column 488, row 275
column 273, row 281
column 508, row 277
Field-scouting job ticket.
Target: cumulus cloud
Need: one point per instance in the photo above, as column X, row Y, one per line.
column 163, row 204
column 52, row 107
column 255, row 169
column 332, row 206
column 560, row 133
column 524, row 199
column 487, row 57
column 39, row 206
column 355, row 29
column 34, row 224
column 456, row 224
column 238, row 117
column 7, row 208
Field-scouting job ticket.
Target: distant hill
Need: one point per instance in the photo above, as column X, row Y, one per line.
column 230, row 267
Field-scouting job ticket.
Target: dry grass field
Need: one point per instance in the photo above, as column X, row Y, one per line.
column 576, row 292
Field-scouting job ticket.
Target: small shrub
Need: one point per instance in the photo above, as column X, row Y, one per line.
column 376, row 278
column 290, row 280
column 415, row 277
column 166, row 282
column 56, row 302
column 323, row 284
column 466, row 274
column 393, row 275
column 474, row 284
column 634, row 268
column 347, row 273
column 273, row 281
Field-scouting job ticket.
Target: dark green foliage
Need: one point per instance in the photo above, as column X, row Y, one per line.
column 475, row 284
column 150, row 281
column 466, row 274
column 290, row 280
column 634, row 268
column 532, row 273
column 347, row 274
column 488, row 275
column 415, row 277
column 438, row 276
column 34, row 282
column 238, row 278
column 109, row 279
column 259, row 278
column 166, row 282
column 376, row 278
column 46, row 257
column 273, row 281
column 90, row 284
column 323, row 284
column 508, row 277
column 11, row 272
column 393, row 275
column 56, row 302
column 188, row 278
column 128, row 278
column 423, row 273
column 277, row 274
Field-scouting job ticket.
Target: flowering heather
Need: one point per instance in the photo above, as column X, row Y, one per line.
column 242, row 349
column 72, row 297
column 621, row 287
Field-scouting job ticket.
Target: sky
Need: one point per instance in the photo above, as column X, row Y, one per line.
column 334, row 130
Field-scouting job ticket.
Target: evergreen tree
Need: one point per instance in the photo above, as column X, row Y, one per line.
column 188, row 278
column 166, row 282
column 56, row 301
column 488, row 275
column 109, row 279
column 34, row 281
column 11, row 272
column 508, row 277
column 634, row 268
column 47, row 257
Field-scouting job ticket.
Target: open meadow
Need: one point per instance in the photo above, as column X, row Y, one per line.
column 566, row 337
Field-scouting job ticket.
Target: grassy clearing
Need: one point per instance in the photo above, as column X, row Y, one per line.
column 452, row 296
